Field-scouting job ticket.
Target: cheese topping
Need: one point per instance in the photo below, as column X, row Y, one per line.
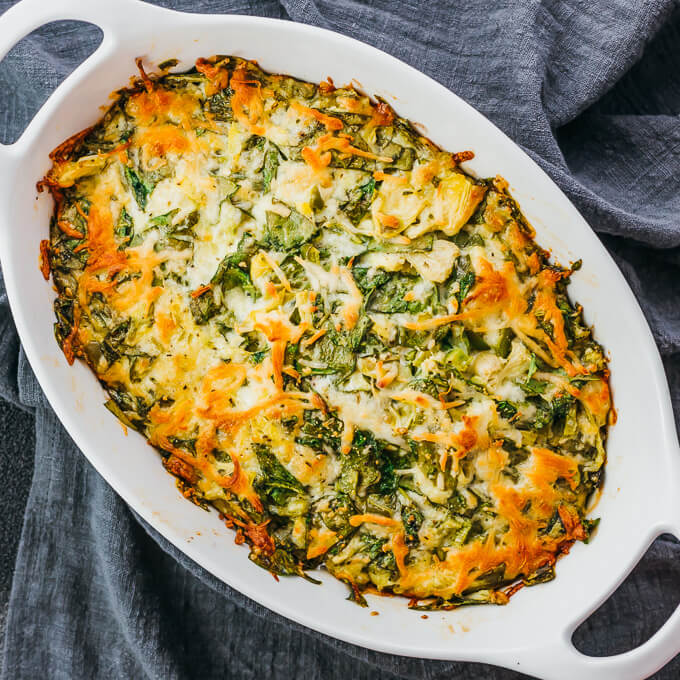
column 350, row 347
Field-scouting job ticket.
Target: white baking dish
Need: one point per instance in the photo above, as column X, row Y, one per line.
column 640, row 498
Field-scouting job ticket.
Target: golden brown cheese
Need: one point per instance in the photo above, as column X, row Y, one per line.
column 349, row 346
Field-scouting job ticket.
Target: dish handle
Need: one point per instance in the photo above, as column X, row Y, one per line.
column 562, row 660
column 27, row 15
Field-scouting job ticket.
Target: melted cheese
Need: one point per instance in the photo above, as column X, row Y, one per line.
column 243, row 275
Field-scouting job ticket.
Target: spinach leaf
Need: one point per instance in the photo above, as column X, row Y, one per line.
column 368, row 280
column 379, row 557
column 356, row 335
column 203, row 307
column 411, row 518
column 134, row 408
column 337, row 349
column 141, row 188
column 534, row 387
column 294, row 271
column 369, row 466
column 427, row 456
column 271, row 165
column 541, row 575
column 590, row 526
column 372, row 545
column 359, row 201
column 555, row 412
column 389, row 297
column 232, row 272
column 219, row 105
column 530, row 385
column 336, row 514
column 388, row 480
column 339, row 159
column 543, row 416
column 392, row 140
column 186, row 444
column 288, row 233
column 274, row 483
column 466, row 283
column 504, row 343
column 423, row 243
column 335, row 353
column 506, row 409
column 354, row 593
column 405, row 160
column 255, row 142
column 461, row 280
column 434, row 385
column 114, row 129
column 164, row 220
column 281, row 561
column 113, row 407
column 112, row 345
column 532, row 367
column 179, row 236
column 560, row 406
column 489, row 579
column 258, row 357
column 320, row 432
column 316, row 203
column 464, row 239
column 124, row 228
column 477, row 341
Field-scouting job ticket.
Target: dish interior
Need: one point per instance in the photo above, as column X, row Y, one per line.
column 351, row 348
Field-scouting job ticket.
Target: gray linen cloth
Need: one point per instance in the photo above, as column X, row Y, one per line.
column 591, row 88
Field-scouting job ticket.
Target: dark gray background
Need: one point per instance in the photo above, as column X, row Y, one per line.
column 592, row 90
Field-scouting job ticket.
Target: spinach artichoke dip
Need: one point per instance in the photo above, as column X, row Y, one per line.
column 350, row 347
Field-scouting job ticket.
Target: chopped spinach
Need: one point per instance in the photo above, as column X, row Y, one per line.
column 359, row 201
column 124, row 228
column 203, row 307
column 320, row 432
column 389, row 298
column 271, row 165
column 275, row 483
column 412, row 519
column 141, row 187
column 288, row 233
column 337, row 349
column 466, row 283
column 506, row 409
column 232, row 271
column 219, row 105
column 336, row 514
